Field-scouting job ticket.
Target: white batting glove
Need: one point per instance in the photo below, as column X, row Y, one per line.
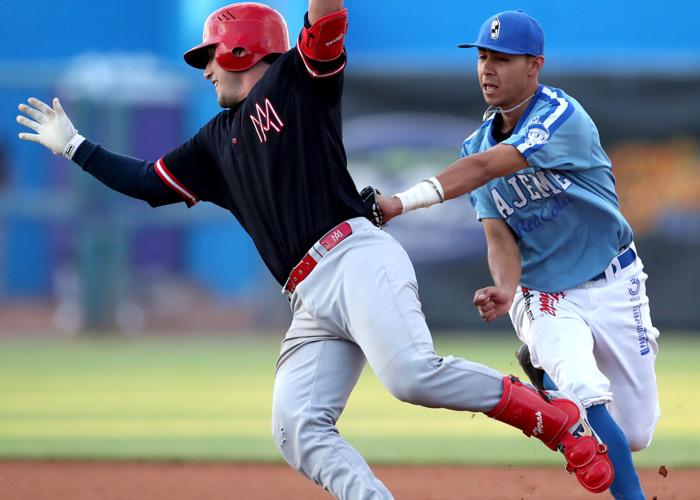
column 53, row 128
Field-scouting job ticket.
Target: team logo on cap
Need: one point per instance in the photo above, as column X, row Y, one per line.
column 495, row 28
column 537, row 133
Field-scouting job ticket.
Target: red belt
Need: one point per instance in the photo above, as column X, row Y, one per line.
column 308, row 263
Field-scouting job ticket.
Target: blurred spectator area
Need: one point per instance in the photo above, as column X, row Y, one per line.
column 76, row 256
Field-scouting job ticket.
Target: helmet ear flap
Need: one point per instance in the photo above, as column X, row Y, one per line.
column 235, row 59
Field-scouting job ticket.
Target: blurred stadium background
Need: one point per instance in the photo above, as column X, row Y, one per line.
column 75, row 256
column 79, row 260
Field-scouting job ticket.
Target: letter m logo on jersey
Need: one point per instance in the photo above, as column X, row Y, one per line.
column 266, row 119
column 336, row 236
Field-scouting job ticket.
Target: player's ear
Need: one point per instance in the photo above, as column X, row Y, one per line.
column 535, row 64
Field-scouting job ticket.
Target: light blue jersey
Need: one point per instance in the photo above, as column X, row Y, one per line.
column 563, row 207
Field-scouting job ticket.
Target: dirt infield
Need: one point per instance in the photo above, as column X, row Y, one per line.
column 200, row 481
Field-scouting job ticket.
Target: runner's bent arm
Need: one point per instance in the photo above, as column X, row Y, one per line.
column 504, row 264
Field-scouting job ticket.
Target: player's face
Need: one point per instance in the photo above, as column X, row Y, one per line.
column 228, row 86
column 505, row 79
column 232, row 86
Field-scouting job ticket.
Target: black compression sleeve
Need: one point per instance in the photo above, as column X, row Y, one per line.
column 129, row 176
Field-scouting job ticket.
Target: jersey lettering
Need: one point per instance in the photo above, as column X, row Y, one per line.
column 537, row 186
column 563, row 181
column 503, row 207
column 267, row 119
column 544, row 184
column 547, row 213
column 521, row 201
column 533, row 195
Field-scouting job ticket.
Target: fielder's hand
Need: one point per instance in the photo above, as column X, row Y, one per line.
column 53, row 128
column 493, row 302
column 390, row 207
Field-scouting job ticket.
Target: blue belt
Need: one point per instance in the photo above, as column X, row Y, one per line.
column 624, row 260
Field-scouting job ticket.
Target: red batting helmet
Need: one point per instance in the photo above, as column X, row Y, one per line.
column 256, row 28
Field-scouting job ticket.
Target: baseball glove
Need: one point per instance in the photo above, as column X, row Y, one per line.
column 372, row 210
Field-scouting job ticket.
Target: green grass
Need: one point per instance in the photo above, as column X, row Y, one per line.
column 210, row 399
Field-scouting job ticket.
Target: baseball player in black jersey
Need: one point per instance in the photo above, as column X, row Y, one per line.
column 274, row 158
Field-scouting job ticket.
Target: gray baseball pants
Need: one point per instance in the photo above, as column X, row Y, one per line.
column 361, row 303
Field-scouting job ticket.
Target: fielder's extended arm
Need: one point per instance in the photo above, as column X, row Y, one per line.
column 54, row 130
column 462, row 176
column 470, row 172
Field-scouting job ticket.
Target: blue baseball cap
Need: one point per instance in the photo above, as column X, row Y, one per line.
column 510, row 32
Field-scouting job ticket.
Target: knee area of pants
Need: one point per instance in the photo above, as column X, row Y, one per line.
column 639, row 430
column 280, row 436
column 287, row 442
column 298, row 436
column 403, row 390
column 638, row 439
column 407, row 378
column 285, row 429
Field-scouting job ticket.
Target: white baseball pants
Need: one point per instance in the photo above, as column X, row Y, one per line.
column 597, row 341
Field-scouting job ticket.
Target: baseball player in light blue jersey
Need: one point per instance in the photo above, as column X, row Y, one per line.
column 560, row 252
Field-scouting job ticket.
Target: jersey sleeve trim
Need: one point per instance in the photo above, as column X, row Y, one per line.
column 559, row 112
column 169, row 179
column 320, row 74
column 482, row 214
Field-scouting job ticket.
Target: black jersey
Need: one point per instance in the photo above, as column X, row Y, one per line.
column 276, row 161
